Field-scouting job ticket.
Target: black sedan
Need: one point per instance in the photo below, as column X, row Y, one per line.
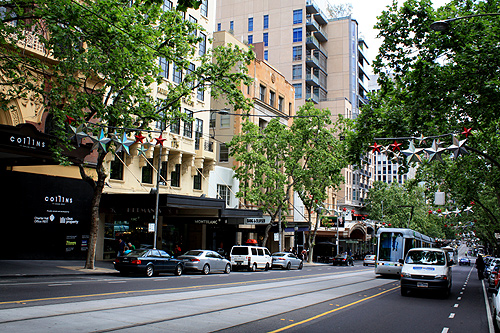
column 148, row 261
column 343, row 259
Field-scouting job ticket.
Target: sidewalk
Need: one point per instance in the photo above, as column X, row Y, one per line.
column 36, row 268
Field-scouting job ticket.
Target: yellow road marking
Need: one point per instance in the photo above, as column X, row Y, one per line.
column 24, row 301
column 329, row 312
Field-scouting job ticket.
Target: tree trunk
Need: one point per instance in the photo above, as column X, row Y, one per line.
column 98, row 188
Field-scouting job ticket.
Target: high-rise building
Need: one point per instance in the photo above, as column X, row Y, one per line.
column 324, row 60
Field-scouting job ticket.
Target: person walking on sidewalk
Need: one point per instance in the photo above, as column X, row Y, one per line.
column 480, row 267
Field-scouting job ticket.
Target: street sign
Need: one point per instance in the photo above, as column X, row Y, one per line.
column 151, row 227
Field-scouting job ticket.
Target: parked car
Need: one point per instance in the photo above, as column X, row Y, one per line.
column 493, row 278
column 343, row 259
column 369, row 260
column 495, row 307
column 205, row 261
column 148, row 261
column 286, row 260
column 492, row 263
column 250, row 257
column 464, row 261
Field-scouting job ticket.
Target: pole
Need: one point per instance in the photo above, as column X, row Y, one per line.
column 157, row 195
column 279, row 230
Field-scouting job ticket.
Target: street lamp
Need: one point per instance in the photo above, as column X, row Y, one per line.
column 445, row 24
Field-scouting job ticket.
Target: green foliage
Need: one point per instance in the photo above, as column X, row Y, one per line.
column 435, row 83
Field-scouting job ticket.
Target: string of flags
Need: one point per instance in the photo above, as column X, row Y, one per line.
column 432, row 153
column 103, row 141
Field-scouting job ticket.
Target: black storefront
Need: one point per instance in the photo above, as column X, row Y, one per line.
column 43, row 217
column 185, row 221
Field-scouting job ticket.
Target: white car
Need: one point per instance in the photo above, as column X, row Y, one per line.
column 369, row 260
column 285, row 260
column 250, row 257
column 495, row 307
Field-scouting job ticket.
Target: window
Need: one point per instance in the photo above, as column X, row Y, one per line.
column 272, row 98
column 250, row 24
column 213, row 119
column 219, row 27
column 190, row 70
column 298, row 90
column 266, row 55
column 203, row 44
column 198, row 132
column 160, row 123
column 163, row 173
column 250, row 39
column 197, row 179
column 297, row 72
column 297, row 35
column 147, row 172
column 175, row 125
column 223, row 191
column 297, row 16
column 163, row 67
column 176, row 73
column 167, row 5
column 231, row 25
column 223, row 153
column 193, row 20
column 175, row 176
column 188, row 125
column 266, row 22
column 265, row 38
column 225, row 121
column 116, row 165
column 262, row 93
column 201, row 93
column 204, row 8
column 281, row 101
column 297, row 53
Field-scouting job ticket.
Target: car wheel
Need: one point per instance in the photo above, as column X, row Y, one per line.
column 301, row 265
column 288, row 266
column 254, row 267
column 178, row 270
column 205, row 270
column 404, row 291
column 228, row 269
column 267, row 267
column 150, row 270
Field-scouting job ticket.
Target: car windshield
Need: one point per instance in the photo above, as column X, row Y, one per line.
column 137, row 253
column 279, row 254
column 341, row 256
column 426, row 258
column 193, row 253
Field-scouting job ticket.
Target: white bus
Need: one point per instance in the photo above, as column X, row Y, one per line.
column 393, row 244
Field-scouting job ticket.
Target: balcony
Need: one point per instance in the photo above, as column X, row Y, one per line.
column 321, row 18
column 311, row 24
column 312, row 43
column 321, row 35
column 312, row 97
column 311, row 7
column 312, row 61
column 312, row 80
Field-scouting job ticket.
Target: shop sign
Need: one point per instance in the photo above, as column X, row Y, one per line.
column 256, row 220
column 24, row 141
column 206, row 221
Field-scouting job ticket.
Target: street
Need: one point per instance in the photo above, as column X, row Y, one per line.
column 317, row 298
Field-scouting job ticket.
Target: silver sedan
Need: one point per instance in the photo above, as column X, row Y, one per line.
column 205, row 261
column 286, row 260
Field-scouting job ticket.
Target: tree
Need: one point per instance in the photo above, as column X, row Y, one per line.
column 307, row 158
column 436, row 83
column 101, row 58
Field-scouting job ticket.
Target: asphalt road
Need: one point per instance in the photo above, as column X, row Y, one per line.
column 321, row 298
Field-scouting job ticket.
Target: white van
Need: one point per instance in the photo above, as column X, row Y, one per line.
column 250, row 257
column 426, row 269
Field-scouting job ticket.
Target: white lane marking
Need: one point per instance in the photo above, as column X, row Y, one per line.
column 445, row 330
column 461, row 293
column 455, row 306
column 59, row 284
column 459, row 298
column 452, row 315
column 195, row 277
column 117, row 282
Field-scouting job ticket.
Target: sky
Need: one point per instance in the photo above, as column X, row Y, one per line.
column 365, row 12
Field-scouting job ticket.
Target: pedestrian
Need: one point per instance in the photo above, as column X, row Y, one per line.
column 177, row 250
column 121, row 247
column 480, row 267
column 131, row 246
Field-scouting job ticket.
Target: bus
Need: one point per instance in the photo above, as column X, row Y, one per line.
column 393, row 244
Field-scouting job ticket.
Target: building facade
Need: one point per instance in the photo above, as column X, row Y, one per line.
column 323, row 58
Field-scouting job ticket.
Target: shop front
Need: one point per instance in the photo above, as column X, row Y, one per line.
column 184, row 223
